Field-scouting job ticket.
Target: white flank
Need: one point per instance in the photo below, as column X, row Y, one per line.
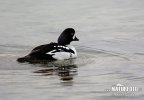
column 65, row 55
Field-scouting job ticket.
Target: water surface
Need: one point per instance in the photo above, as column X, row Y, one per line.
column 110, row 50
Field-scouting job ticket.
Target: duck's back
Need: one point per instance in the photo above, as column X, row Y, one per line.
column 42, row 49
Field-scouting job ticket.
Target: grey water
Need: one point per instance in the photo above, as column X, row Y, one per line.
column 110, row 50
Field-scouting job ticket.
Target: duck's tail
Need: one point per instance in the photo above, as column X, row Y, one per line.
column 23, row 59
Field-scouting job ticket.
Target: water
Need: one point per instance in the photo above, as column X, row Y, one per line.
column 110, row 49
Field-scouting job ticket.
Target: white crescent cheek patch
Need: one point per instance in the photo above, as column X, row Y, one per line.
column 74, row 36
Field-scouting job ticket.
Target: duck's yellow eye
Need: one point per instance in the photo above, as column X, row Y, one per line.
column 72, row 33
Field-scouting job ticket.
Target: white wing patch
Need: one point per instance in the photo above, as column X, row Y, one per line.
column 51, row 52
column 67, row 48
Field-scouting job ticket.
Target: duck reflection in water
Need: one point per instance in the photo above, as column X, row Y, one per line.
column 65, row 72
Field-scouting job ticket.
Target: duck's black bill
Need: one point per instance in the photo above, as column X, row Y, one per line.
column 75, row 39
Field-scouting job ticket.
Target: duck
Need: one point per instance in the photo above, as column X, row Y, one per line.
column 54, row 51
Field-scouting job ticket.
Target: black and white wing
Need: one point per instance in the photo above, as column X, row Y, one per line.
column 51, row 49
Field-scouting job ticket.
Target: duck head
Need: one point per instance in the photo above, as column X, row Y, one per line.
column 67, row 36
